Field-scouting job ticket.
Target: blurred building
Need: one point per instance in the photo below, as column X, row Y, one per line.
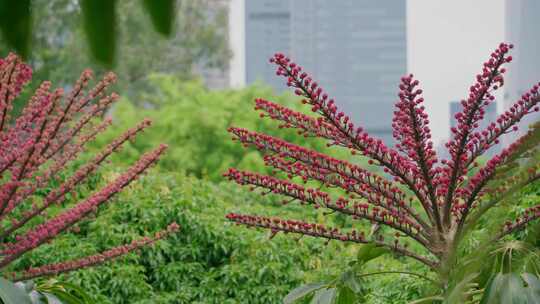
column 355, row 49
column 215, row 77
column 258, row 29
column 523, row 30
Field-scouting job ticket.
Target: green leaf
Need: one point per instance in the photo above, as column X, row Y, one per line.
column 16, row 25
column 74, row 291
column 324, row 296
column 64, row 292
column 10, row 294
column 302, row 291
column 350, row 280
column 491, row 293
column 345, row 296
column 369, row 252
column 65, row 298
column 162, row 14
column 509, row 288
column 99, row 21
column 458, row 294
column 512, row 290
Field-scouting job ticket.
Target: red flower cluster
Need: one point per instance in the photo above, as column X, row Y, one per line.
column 54, row 269
column 427, row 200
column 51, row 132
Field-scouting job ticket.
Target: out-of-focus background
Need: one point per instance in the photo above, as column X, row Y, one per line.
column 204, row 78
column 357, row 50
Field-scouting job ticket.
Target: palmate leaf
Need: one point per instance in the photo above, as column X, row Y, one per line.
column 346, row 289
column 463, row 292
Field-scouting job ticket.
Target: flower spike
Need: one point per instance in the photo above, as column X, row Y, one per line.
column 420, row 197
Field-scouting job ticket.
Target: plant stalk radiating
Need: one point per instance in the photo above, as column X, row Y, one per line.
column 39, row 144
column 420, row 197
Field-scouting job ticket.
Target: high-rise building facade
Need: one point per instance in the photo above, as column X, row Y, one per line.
column 258, row 29
column 523, row 30
column 355, row 49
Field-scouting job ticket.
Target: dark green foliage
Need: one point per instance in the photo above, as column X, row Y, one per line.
column 16, row 24
column 60, row 50
column 99, row 21
column 208, row 261
column 365, row 281
column 162, row 15
column 193, row 121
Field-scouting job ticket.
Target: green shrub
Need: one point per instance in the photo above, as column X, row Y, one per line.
column 193, row 121
column 209, row 261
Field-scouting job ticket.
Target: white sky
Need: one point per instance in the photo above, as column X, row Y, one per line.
column 447, row 42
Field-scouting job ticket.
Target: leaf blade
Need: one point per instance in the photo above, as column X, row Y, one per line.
column 302, row 291
column 162, row 13
column 10, row 294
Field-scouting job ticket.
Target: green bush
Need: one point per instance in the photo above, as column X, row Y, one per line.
column 194, row 122
column 208, row 261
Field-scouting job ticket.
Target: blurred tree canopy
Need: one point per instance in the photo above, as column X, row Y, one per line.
column 99, row 19
column 60, row 50
column 194, row 120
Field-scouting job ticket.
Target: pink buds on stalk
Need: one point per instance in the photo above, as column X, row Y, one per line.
column 42, row 141
column 426, row 199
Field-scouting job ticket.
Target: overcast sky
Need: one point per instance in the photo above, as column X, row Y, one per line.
column 447, row 43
